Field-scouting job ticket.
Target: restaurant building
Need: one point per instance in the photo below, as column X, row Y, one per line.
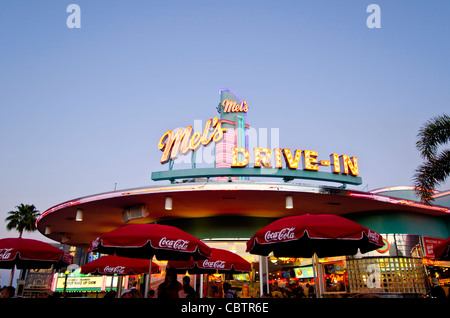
column 228, row 188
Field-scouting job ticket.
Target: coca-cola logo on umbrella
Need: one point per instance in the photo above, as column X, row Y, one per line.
column 5, row 253
column 174, row 244
column 28, row 253
column 284, row 234
column 214, row 264
column 114, row 270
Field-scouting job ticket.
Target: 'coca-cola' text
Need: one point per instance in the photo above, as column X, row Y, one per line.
column 5, row 253
column 114, row 270
column 214, row 264
column 174, row 244
column 284, row 234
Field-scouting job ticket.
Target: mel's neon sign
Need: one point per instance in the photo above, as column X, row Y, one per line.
column 184, row 140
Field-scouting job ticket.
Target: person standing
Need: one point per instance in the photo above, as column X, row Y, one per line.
column 436, row 289
column 189, row 291
column 228, row 292
column 170, row 288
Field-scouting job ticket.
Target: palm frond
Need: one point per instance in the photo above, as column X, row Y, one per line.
column 430, row 174
column 434, row 133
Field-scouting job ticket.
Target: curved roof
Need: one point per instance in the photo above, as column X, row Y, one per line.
column 104, row 212
column 441, row 198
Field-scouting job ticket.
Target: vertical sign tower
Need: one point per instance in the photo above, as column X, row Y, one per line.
column 234, row 118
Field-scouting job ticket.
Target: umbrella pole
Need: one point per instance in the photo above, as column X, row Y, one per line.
column 119, row 285
column 201, row 285
column 195, row 282
column 263, row 275
column 207, row 285
column 315, row 261
column 148, row 280
column 12, row 276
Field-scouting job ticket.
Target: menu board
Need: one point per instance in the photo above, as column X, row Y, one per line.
column 304, row 272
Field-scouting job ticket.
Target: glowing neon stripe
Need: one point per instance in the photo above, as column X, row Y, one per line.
column 397, row 201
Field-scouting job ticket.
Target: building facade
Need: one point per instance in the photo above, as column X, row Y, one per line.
column 246, row 187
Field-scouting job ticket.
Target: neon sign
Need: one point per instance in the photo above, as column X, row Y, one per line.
column 231, row 106
column 232, row 154
column 183, row 141
column 340, row 163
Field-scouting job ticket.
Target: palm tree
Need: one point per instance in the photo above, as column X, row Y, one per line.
column 23, row 219
column 436, row 168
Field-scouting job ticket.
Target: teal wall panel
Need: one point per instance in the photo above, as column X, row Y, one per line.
column 403, row 223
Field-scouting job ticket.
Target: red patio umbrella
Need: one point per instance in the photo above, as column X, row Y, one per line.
column 442, row 251
column 323, row 234
column 148, row 240
column 113, row 264
column 31, row 254
column 116, row 265
column 314, row 236
column 221, row 261
column 28, row 253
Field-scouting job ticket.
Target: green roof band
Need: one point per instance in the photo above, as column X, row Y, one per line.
column 285, row 174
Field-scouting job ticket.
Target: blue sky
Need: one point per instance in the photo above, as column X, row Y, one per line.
column 83, row 109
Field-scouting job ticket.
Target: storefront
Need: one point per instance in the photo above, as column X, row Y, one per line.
column 228, row 187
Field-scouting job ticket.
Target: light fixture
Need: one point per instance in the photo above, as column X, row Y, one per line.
column 289, row 202
column 79, row 216
column 48, row 230
column 168, row 205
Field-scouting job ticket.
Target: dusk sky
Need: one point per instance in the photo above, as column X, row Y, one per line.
column 83, row 109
